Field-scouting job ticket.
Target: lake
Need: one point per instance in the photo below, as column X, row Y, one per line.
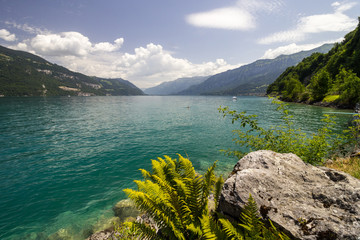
column 64, row 161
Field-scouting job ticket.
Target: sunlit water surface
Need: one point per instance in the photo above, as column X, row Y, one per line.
column 64, row 161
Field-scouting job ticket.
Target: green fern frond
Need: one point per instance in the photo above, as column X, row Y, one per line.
column 145, row 174
column 230, row 230
column 251, row 221
column 217, row 191
column 208, row 185
column 194, row 198
column 207, row 228
column 186, row 168
column 157, row 168
column 176, row 198
column 273, row 234
column 186, row 213
column 145, row 231
column 181, row 187
column 193, row 231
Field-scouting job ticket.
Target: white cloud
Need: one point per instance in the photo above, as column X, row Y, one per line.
column 232, row 18
column 23, row 47
column 285, row 36
column 293, row 48
column 27, row 28
column 108, row 47
column 334, row 22
column 7, row 36
column 145, row 67
column 238, row 17
column 342, row 7
column 63, row 44
column 67, row 44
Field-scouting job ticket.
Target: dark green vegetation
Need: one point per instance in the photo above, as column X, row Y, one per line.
column 251, row 79
column 24, row 74
column 173, row 87
column 177, row 199
column 284, row 138
column 332, row 77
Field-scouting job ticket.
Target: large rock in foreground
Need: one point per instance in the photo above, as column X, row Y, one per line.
column 304, row 201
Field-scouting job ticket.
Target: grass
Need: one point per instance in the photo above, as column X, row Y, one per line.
column 350, row 165
column 331, row 98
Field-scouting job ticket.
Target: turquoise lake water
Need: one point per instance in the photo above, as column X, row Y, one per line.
column 64, row 161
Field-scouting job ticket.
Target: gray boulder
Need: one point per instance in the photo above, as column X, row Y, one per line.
column 102, row 235
column 304, row 201
column 125, row 209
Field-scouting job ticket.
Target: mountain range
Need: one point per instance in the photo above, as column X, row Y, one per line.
column 173, row 87
column 250, row 79
column 25, row 74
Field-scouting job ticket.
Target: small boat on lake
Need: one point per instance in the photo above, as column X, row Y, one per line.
column 234, row 98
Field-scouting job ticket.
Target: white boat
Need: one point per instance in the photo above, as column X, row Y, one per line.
column 234, row 98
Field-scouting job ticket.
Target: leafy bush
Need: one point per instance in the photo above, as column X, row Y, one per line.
column 284, row 138
column 124, row 231
column 176, row 198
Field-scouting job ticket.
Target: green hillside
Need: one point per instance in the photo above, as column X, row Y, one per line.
column 332, row 78
column 25, row 74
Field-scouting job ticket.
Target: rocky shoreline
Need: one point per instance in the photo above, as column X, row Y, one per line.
column 303, row 201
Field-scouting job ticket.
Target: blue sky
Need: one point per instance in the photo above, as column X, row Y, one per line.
column 148, row 42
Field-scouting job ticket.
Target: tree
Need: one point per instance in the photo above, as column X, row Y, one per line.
column 348, row 85
column 293, row 89
column 320, row 85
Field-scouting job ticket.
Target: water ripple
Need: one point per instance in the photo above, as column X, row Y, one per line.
column 64, row 161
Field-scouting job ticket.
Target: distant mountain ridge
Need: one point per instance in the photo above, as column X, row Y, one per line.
column 173, row 87
column 25, row 74
column 250, row 79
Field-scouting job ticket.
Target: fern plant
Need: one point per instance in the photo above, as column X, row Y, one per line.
column 251, row 226
column 176, row 198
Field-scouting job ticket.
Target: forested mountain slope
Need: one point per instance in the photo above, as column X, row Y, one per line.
column 332, row 78
column 25, row 74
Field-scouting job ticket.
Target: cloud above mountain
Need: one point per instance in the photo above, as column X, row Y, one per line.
column 7, row 36
column 333, row 22
column 294, row 48
column 145, row 67
column 240, row 16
